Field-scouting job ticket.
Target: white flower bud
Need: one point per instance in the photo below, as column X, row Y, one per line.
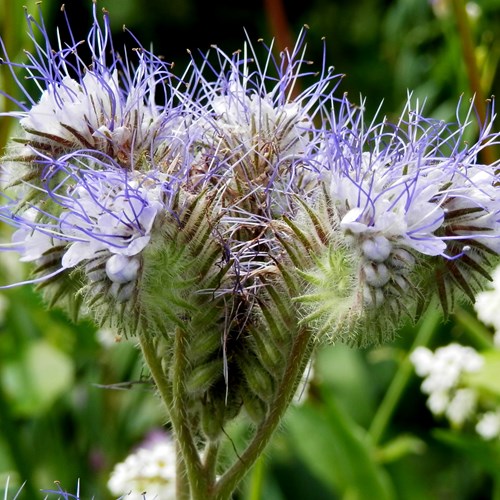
column 377, row 248
column 122, row 269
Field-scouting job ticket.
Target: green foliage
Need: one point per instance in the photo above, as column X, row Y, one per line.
column 337, row 450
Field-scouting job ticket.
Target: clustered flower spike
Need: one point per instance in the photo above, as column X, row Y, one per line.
column 247, row 208
column 411, row 208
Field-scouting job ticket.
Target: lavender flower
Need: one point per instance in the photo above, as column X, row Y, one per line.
column 106, row 107
column 408, row 205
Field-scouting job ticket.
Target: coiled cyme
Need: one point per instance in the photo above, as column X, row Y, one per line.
column 240, row 211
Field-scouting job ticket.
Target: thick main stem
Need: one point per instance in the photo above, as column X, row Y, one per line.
column 174, row 398
column 181, row 479
column 297, row 360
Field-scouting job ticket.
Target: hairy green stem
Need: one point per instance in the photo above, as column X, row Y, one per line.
column 180, row 420
column 399, row 382
column 174, row 398
column 297, row 360
column 210, row 460
column 182, row 490
column 478, row 334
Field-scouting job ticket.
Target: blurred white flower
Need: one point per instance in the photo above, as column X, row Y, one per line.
column 422, row 358
column 108, row 337
column 438, row 402
column 149, row 471
column 462, row 406
column 487, row 305
column 443, row 368
column 442, row 372
column 488, row 426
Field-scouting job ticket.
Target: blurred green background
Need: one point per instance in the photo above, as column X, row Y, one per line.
column 364, row 431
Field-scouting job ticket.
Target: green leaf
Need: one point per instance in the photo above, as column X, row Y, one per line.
column 338, row 452
column 399, row 447
column 485, row 453
column 342, row 370
column 37, row 378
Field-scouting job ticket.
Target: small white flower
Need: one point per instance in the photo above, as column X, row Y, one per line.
column 149, row 471
column 442, row 372
column 462, row 406
column 488, row 426
column 487, row 303
column 438, row 401
column 422, row 358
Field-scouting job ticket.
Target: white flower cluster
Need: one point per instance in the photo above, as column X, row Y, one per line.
column 91, row 113
column 147, row 473
column 444, row 371
column 487, row 306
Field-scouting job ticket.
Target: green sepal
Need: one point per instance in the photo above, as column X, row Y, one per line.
column 257, row 378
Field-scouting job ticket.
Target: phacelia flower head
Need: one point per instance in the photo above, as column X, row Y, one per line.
column 102, row 104
column 409, row 207
column 246, row 212
column 99, row 155
column 253, row 136
column 160, row 217
column 234, row 221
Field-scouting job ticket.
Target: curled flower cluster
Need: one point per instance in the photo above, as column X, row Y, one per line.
column 148, row 472
column 445, row 373
column 239, row 212
column 103, row 167
column 411, row 211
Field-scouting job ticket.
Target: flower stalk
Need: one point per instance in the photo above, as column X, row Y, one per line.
column 300, row 354
column 386, row 409
column 472, row 68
